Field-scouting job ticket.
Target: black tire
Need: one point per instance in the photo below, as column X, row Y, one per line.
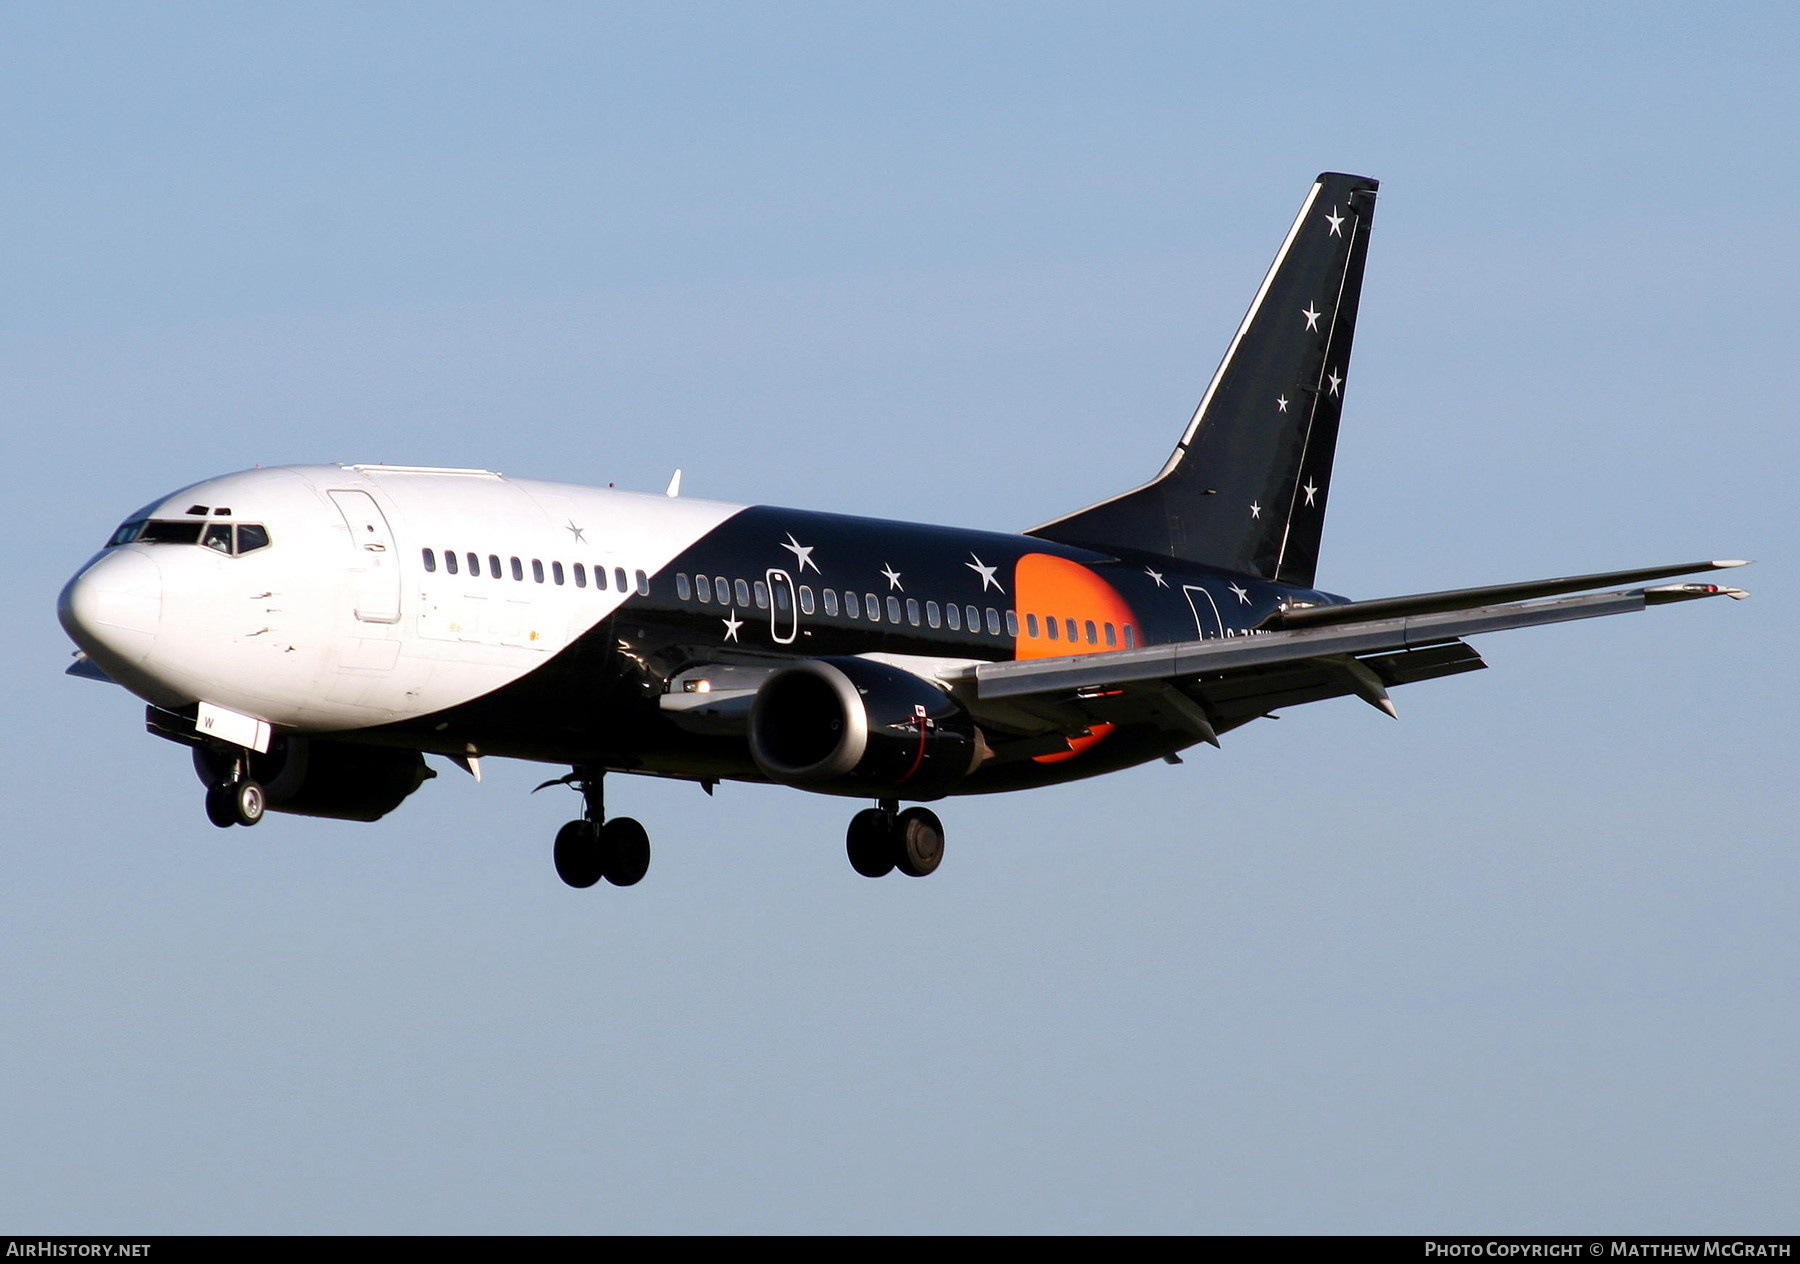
column 248, row 802
column 221, row 804
column 579, row 860
column 626, row 846
column 918, row 842
column 870, row 844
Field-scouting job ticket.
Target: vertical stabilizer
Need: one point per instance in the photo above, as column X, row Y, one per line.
column 1246, row 487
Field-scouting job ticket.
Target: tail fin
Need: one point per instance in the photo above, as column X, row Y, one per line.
column 1245, row 489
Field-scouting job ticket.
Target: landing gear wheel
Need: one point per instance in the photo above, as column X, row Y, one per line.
column 626, row 846
column 221, row 804
column 869, row 843
column 580, row 860
column 918, row 842
column 248, row 801
column 236, row 803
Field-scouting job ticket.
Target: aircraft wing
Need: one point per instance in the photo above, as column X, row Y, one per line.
column 1207, row 687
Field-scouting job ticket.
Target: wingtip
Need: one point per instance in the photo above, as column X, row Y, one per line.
column 1729, row 562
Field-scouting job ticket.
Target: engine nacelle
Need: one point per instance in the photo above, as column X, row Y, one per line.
column 852, row 726
column 320, row 777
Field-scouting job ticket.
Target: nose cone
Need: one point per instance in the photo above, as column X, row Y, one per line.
column 114, row 608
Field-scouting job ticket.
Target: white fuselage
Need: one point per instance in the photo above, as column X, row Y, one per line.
column 336, row 624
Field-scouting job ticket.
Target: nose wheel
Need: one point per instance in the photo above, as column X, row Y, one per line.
column 240, row 802
column 881, row 840
column 593, row 847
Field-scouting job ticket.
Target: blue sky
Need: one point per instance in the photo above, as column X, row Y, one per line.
column 1524, row 960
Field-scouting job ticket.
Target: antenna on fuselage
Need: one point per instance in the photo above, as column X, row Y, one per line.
column 674, row 485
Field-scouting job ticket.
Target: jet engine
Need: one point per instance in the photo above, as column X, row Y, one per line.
column 856, row 727
column 321, row 777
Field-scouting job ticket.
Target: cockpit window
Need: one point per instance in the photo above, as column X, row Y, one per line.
column 234, row 539
column 171, row 532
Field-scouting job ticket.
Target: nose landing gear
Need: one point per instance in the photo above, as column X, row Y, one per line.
column 237, row 800
column 882, row 839
column 593, row 847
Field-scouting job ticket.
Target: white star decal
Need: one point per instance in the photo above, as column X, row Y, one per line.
column 732, row 625
column 1157, row 576
column 1255, row 510
column 1242, row 596
column 1310, row 491
column 893, row 576
column 986, row 572
column 577, row 532
column 802, row 554
column 1281, row 403
column 1336, row 221
column 1312, row 317
column 1335, row 381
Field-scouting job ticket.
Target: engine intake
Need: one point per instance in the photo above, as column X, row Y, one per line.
column 852, row 726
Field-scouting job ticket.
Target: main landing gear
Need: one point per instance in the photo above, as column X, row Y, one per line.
column 238, row 799
column 593, row 847
column 883, row 839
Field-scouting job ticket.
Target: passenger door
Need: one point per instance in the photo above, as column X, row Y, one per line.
column 375, row 568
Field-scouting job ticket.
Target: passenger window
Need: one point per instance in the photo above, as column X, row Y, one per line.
column 450, row 561
column 600, row 578
column 537, row 571
column 932, row 616
column 806, row 599
column 704, row 587
column 893, row 609
column 972, row 617
column 993, row 621
column 912, row 611
column 743, row 593
column 556, row 572
column 643, row 584
column 781, row 599
column 1050, row 627
column 494, row 565
column 1070, row 625
column 517, row 569
column 1012, row 623
column 853, row 605
column 474, row 566
column 683, row 589
column 430, row 560
column 953, row 615
column 619, row 580
column 580, row 575
column 218, row 536
column 874, row 606
column 1031, row 628
column 1112, row 636
column 831, row 601
column 1130, row 638
column 722, row 590
column 1093, row 636
column 762, row 595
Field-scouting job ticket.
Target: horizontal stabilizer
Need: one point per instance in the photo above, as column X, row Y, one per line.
column 1467, row 598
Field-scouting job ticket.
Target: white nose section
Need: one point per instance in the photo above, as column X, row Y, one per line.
column 114, row 608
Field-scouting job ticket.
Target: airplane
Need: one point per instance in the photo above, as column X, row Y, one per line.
column 312, row 632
